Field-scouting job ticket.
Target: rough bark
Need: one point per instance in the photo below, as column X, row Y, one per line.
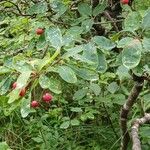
column 125, row 111
column 134, row 131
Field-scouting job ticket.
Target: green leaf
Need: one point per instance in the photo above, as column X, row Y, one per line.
column 75, row 31
column 68, row 40
column 38, row 8
column 42, row 62
column 23, row 78
column 100, row 8
column 146, row 21
column 13, row 95
column 65, row 125
column 90, row 115
column 4, row 70
column 73, row 51
column 87, row 25
column 113, row 87
column 123, row 72
column 65, row 118
column 77, row 22
column 25, row 107
column 95, row 88
column 76, row 109
column 67, row 74
column 82, row 59
column 10, row 108
column 83, row 117
column 55, row 85
column 118, row 99
column 5, row 85
column 41, row 43
column 146, row 44
column 90, row 53
column 102, row 63
column 50, row 83
column 54, row 36
column 3, row 101
column 132, row 21
column 52, row 69
column 80, row 94
column 44, row 81
column 75, row 122
column 103, row 43
column 22, row 66
column 85, row 73
column 84, row 9
column 59, row 8
column 124, row 42
column 131, row 54
column 38, row 139
column 145, row 133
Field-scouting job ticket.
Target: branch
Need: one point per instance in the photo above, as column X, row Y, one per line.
column 45, row 51
column 134, row 131
column 121, row 20
column 146, row 76
column 107, row 15
column 125, row 111
column 18, row 9
column 49, row 7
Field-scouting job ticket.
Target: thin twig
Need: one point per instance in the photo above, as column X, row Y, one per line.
column 109, row 22
column 46, row 49
column 111, row 19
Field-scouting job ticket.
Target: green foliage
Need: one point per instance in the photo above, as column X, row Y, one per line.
column 4, row 146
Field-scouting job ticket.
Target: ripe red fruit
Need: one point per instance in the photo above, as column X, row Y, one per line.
column 14, row 85
column 47, row 97
column 125, row 1
column 22, row 92
column 39, row 31
column 34, row 104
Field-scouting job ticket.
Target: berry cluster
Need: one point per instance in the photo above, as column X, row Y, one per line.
column 47, row 97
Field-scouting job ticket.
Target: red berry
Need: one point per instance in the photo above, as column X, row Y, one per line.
column 34, row 104
column 47, row 97
column 39, row 31
column 125, row 1
column 22, row 92
column 14, row 85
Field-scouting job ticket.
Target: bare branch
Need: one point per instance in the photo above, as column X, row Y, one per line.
column 125, row 111
column 134, row 131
